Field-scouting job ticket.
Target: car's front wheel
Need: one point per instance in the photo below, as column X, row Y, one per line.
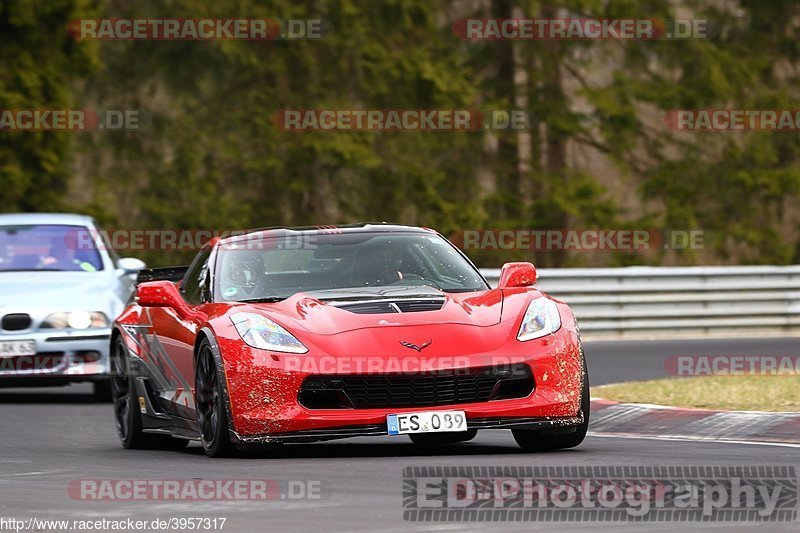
column 212, row 417
column 126, row 408
column 544, row 441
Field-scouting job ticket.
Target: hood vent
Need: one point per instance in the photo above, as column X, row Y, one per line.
column 403, row 305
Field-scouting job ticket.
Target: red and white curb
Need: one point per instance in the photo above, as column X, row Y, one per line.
column 658, row 421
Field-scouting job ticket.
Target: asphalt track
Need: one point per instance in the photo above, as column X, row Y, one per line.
column 51, row 437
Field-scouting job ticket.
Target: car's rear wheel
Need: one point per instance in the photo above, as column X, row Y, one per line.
column 544, row 441
column 212, row 417
column 126, row 409
column 438, row 439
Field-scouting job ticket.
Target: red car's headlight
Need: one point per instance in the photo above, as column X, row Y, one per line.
column 540, row 319
column 261, row 332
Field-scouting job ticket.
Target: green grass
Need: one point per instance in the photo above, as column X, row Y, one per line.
column 738, row 393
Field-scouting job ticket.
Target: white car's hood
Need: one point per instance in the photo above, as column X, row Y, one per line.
column 36, row 292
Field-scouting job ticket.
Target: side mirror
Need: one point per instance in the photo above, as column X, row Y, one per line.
column 130, row 265
column 521, row 274
column 161, row 294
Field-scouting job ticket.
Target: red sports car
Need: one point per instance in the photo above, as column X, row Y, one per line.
column 309, row 334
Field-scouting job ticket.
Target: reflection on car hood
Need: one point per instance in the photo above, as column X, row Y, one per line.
column 375, row 293
column 323, row 312
column 52, row 291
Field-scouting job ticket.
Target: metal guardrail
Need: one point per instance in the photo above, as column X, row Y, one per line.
column 664, row 301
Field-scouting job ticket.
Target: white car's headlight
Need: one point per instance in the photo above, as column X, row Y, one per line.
column 261, row 332
column 540, row 319
column 76, row 320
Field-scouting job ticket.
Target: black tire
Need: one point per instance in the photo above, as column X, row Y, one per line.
column 126, row 408
column 212, row 416
column 538, row 441
column 102, row 391
column 438, row 439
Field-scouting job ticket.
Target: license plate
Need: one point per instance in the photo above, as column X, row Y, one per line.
column 426, row 422
column 17, row 348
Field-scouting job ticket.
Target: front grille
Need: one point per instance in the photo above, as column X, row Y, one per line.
column 392, row 306
column 16, row 321
column 443, row 387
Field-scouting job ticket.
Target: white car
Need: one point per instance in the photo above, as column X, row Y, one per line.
column 60, row 289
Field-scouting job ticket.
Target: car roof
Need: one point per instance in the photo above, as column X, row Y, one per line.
column 367, row 227
column 66, row 219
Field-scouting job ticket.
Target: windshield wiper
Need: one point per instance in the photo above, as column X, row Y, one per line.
column 265, row 299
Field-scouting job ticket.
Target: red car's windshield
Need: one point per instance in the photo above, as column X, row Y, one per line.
column 48, row 247
column 279, row 267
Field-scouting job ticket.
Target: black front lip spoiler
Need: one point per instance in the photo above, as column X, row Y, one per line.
column 380, row 430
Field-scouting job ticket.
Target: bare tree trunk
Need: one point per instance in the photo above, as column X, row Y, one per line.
column 553, row 92
column 508, row 171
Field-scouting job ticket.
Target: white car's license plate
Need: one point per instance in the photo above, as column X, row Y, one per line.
column 17, row 348
column 426, row 422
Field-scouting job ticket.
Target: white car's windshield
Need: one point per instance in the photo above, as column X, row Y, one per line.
column 276, row 268
column 48, row 247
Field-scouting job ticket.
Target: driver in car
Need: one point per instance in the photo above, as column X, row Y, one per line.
column 391, row 271
column 243, row 275
column 63, row 256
